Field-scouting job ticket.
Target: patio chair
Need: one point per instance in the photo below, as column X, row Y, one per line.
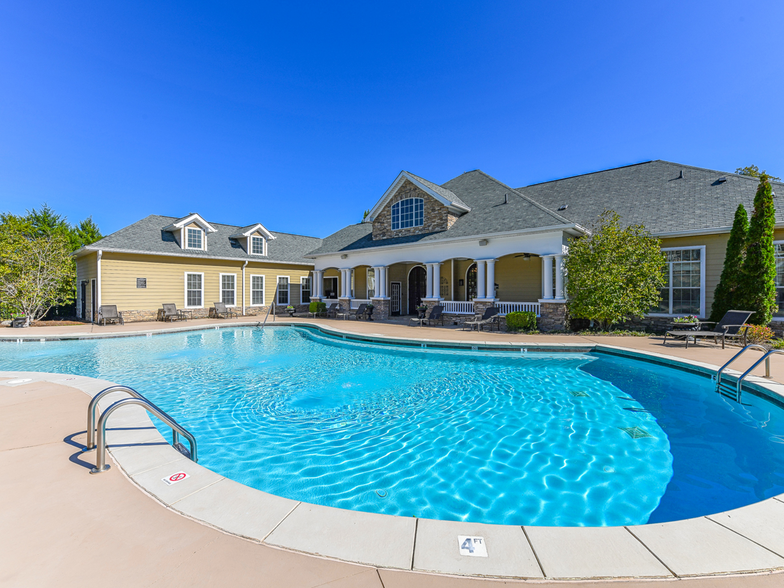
column 731, row 326
column 332, row 310
column 109, row 313
column 490, row 317
column 436, row 314
column 341, row 312
column 170, row 313
column 360, row 312
column 221, row 311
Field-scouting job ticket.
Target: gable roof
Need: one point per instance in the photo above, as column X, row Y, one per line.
column 151, row 236
column 243, row 232
column 442, row 195
column 186, row 220
column 653, row 194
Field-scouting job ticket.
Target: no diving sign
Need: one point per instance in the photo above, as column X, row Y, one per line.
column 174, row 478
column 472, row 546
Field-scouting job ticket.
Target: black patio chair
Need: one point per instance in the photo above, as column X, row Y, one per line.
column 109, row 313
column 170, row 313
column 490, row 317
column 731, row 326
column 222, row 311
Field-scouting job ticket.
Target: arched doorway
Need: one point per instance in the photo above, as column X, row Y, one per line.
column 417, row 287
column 471, row 282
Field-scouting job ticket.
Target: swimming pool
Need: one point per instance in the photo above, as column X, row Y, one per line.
column 508, row 438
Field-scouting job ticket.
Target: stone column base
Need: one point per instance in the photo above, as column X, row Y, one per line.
column 381, row 308
column 552, row 315
column 345, row 303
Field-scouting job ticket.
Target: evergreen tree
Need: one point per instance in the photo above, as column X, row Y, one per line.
column 757, row 288
column 724, row 296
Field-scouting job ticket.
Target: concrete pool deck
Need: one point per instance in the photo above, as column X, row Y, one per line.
column 62, row 526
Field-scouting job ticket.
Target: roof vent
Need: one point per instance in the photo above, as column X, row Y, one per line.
column 680, row 175
column 563, row 207
column 506, row 198
column 721, row 180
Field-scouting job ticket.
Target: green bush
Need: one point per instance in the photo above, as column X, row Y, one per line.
column 315, row 307
column 322, row 307
column 521, row 321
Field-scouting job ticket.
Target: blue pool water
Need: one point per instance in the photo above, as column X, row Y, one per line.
column 537, row 439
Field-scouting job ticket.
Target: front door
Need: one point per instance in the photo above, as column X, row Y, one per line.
column 84, row 300
column 330, row 287
column 395, row 299
column 417, row 288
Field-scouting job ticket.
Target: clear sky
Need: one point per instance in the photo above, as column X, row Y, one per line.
column 300, row 115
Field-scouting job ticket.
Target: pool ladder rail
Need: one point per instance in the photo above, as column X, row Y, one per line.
column 139, row 400
column 736, row 392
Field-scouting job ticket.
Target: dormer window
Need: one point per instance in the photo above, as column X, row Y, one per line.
column 194, row 238
column 408, row 213
column 257, row 245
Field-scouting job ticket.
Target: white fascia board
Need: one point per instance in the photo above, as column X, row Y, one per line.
column 255, row 228
column 193, row 218
column 237, row 259
column 403, row 176
column 698, row 232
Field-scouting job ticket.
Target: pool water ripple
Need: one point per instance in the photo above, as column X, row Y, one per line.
column 536, row 439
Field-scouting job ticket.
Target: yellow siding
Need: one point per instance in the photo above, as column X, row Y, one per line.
column 166, row 280
column 519, row 280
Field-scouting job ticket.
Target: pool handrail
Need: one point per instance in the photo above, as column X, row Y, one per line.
column 100, row 454
column 766, row 357
column 270, row 307
column 92, row 407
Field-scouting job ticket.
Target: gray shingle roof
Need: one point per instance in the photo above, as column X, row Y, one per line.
column 483, row 194
column 448, row 194
column 653, row 195
column 147, row 236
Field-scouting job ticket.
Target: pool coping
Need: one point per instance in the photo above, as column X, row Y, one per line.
column 741, row 541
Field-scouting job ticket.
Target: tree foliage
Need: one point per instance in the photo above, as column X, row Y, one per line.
column 615, row 273
column 725, row 293
column 754, row 172
column 757, row 288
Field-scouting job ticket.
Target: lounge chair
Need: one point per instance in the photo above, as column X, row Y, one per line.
column 221, row 311
column 341, row 312
column 362, row 311
column 731, row 326
column 170, row 313
column 109, row 313
column 490, row 317
column 332, row 310
column 436, row 314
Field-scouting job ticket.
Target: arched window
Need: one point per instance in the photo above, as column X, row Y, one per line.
column 471, row 280
column 408, row 213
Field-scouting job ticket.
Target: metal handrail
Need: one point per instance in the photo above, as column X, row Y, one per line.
column 736, row 356
column 270, row 307
column 766, row 359
column 93, row 406
column 100, row 454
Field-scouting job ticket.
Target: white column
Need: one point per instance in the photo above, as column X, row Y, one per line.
column 429, row 281
column 547, row 260
column 317, row 283
column 480, row 279
column 350, row 280
column 382, row 281
column 343, row 281
column 491, row 278
column 559, row 277
column 436, row 280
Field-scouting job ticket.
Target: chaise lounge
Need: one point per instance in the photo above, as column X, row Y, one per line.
column 169, row 312
column 110, row 313
column 731, row 326
column 490, row 317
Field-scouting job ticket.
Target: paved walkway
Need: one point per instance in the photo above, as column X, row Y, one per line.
column 61, row 527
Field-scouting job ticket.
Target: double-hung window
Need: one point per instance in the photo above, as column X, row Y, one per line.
column 194, row 238
column 779, row 252
column 228, row 289
column 283, row 290
column 257, row 245
column 194, row 290
column 408, row 213
column 304, row 290
column 257, row 290
column 684, row 292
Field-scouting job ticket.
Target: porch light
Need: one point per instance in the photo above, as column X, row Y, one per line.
column 482, row 242
column 344, row 256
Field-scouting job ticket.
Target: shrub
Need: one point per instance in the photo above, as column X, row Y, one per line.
column 759, row 334
column 521, row 321
column 314, row 306
column 322, row 307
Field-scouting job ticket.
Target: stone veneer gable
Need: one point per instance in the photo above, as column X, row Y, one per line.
column 436, row 216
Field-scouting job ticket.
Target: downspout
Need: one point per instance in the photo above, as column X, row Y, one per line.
column 98, row 285
column 243, row 287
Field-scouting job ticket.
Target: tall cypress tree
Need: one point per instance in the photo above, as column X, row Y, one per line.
column 725, row 293
column 757, row 290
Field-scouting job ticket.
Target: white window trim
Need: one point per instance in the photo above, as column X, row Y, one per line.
column 367, row 281
column 263, row 288
column 220, row 289
column 778, row 319
column 263, row 245
column 185, row 288
column 415, row 226
column 301, row 289
column 277, row 291
column 702, row 281
column 203, row 239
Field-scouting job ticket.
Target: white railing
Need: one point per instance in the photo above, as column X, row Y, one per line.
column 507, row 307
column 457, row 307
column 355, row 302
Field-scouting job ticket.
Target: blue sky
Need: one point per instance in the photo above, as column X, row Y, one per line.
column 299, row 116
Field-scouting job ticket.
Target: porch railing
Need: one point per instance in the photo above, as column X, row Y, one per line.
column 507, row 307
column 457, row 307
column 355, row 302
